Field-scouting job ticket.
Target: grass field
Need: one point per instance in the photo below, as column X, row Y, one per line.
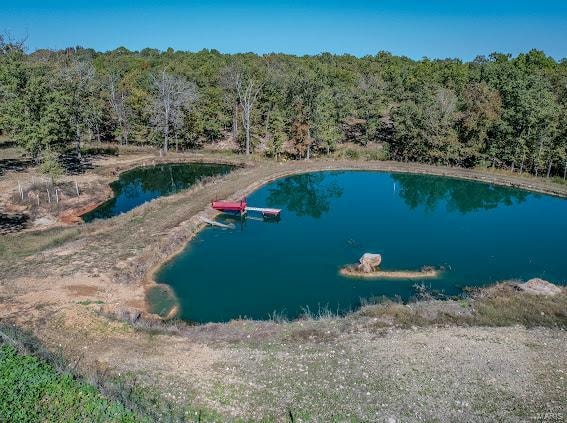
column 32, row 390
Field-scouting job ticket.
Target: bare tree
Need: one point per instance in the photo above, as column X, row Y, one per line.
column 173, row 95
column 9, row 44
column 228, row 78
column 119, row 104
column 248, row 90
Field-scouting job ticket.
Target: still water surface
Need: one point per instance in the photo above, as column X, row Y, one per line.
column 137, row 186
column 478, row 232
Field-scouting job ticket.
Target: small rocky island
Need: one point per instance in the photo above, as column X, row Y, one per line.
column 368, row 266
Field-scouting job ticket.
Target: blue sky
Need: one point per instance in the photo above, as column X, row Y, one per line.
column 436, row 29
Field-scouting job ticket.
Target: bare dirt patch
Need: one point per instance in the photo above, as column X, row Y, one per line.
column 82, row 290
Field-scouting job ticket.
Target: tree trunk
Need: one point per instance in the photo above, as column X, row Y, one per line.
column 522, row 165
column 125, row 134
column 565, row 171
column 165, row 139
column 247, row 137
column 266, row 124
column 549, row 169
column 235, row 123
column 78, row 140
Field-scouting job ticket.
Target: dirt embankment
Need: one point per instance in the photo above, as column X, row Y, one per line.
column 359, row 367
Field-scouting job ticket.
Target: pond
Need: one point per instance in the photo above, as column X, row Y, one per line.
column 137, row 186
column 477, row 232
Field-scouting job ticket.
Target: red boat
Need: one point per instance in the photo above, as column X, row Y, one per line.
column 230, row 206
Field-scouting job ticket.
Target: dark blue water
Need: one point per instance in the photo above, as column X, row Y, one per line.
column 480, row 234
column 137, row 186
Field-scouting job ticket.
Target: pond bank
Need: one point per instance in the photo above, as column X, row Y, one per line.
column 259, row 174
column 94, row 186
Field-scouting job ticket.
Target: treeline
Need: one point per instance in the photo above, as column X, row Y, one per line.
column 501, row 111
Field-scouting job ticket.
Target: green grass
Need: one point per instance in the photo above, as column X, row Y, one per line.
column 31, row 390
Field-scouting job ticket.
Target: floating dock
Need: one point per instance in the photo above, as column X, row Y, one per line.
column 266, row 212
column 242, row 208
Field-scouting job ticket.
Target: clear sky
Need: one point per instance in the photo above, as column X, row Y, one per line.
column 415, row 28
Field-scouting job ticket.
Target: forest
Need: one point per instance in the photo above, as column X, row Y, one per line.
column 497, row 111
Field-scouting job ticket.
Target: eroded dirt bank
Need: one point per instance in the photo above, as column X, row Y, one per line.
column 331, row 369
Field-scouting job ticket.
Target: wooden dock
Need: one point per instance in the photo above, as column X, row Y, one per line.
column 266, row 212
column 241, row 207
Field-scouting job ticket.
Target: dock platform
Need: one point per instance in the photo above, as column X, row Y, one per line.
column 242, row 208
column 266, row 212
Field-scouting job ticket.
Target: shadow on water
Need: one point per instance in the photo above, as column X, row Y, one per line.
column 305, row 194
column 459, row 195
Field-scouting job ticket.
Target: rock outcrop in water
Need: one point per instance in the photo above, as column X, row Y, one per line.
column 369, row 262
column 368, row 267
column 539, row 286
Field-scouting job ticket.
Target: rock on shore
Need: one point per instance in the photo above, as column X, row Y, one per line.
column 540, row 286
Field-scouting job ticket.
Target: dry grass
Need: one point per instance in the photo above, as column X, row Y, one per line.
column 500, row 305
column 503, row 305
column 28, row 243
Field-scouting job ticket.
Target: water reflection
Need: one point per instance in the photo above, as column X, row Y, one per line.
column 305, row 195
column 139, row 185
column 460, row 195
column 292, row 266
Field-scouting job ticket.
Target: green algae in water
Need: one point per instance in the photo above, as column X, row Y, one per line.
column 478, row 232
column 140, row 185
column 161, row 300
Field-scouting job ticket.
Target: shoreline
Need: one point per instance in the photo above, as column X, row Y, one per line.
column 140, row 163
column 178, row 215
column 314, row 166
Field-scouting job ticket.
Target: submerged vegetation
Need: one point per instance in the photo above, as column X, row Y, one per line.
column 498, row 111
